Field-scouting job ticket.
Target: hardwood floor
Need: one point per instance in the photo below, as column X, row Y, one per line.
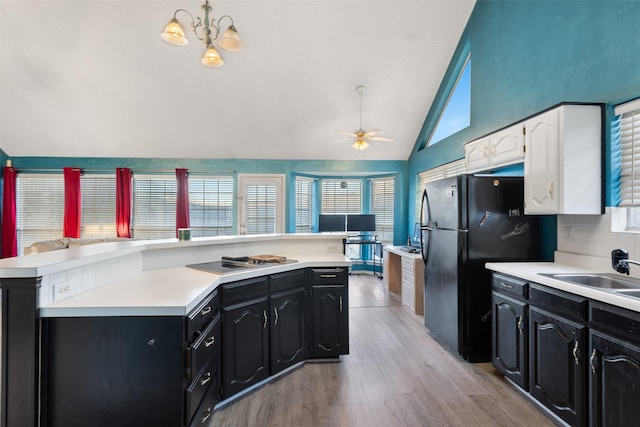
column 395, row 375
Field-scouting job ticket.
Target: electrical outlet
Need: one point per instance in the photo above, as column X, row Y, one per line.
column 568, row 233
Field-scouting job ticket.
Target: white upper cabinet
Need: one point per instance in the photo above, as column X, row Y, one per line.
column 562, row 162
column 502, row 148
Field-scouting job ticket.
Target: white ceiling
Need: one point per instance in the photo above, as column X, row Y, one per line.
column 89, row 78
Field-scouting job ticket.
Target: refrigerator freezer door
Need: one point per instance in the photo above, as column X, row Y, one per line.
column 443, row 202
column 441, row 294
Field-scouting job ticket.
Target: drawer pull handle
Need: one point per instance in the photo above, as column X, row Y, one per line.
column 328, row 276
column 209, row 342
column 341, row 304
column 205, row 311
column 592, row 359
column 520, row 325
column 207, row 415
column 206, row 379
column 264, row 313
column 275, row 310
column 575, row 352
column 506, row 285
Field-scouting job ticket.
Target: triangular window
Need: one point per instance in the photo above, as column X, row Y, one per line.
column 456, row 114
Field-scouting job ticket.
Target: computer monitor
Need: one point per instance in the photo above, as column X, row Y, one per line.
column 362, row 222
column 415, row 237
column 331, row 222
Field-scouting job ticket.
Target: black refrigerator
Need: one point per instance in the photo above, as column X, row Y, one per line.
column 467, row 221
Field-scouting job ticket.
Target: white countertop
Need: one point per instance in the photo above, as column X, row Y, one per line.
column 531, row 271
column 399, row 251
column 170, row 291
column 50, row 262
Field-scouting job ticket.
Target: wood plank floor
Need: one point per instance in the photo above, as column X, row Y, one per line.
column 395, row 375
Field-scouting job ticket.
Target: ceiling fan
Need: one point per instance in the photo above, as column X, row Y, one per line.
column 361, row 137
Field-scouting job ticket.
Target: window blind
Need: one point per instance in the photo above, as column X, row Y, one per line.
column 382, row 205
column 625, row 138
column 211, row 206
column 261, row 208
column 450, row 169
column 154, row 207
column 39, row 208
column 304, row 204
column 341, row 196
column 98, row 205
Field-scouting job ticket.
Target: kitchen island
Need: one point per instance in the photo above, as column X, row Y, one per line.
column 141, row 282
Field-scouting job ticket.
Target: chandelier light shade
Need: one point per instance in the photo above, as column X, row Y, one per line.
column 206, row 30
column 174, row 34
column 212, row 58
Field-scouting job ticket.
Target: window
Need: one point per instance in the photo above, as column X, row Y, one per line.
column 341, row 196
column 382, row 205
column 211, row 206
column 98, row 205
column 154, row 207
column 625, row 147
column 450, row 169
column 456, row 113
column 304, row 204
column 39, row 208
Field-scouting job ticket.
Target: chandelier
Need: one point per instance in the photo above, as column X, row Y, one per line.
column 209, row 29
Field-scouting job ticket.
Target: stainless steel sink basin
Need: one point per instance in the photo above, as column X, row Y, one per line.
column 629, row 292
column 605, row 281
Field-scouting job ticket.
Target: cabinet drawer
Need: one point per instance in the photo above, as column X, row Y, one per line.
column 198, row 388
column 510, row 285
column 617, row 321
column 571, row 306
column 328, row 276
column 202, row 315
column 285, row 281
column 205, row 411
column 204, row 348
column 244, row 290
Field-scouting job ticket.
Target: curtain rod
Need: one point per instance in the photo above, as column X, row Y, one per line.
column 139, row 171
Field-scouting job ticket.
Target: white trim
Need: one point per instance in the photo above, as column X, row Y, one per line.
column 627, row 107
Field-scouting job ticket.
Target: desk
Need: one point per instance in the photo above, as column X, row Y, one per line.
column 404, row 273
column 358, row 240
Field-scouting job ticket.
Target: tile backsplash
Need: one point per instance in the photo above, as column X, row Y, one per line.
column 597, row 235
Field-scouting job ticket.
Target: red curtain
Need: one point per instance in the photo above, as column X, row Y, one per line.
column 182, row 199
column 72, row 203
column 123, row 202
column 9, row 246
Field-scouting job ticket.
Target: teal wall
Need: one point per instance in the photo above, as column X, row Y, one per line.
column 290, row 168
column 530, row 55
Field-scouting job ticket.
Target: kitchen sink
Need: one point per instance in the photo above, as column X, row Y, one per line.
column 629, row 292
column 604, row 281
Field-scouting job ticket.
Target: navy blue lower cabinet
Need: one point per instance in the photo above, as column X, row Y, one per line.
column 131, row 370
column 329, row 324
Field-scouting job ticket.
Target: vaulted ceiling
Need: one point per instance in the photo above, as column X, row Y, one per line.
column 93, row 78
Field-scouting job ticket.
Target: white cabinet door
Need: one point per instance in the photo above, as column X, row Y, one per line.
column 502, row 148
column 541, row 164
column 507, row 146
column 476, row 155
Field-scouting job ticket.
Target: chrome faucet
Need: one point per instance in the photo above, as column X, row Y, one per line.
column 620, row 261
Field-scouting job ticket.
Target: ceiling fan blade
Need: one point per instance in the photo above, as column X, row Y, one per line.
column 380, row 139
column 346, row 132
column 373, row 132
column 343, row 139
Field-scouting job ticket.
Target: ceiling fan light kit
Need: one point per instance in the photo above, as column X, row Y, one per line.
column 210, row 29
column 360, row 136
